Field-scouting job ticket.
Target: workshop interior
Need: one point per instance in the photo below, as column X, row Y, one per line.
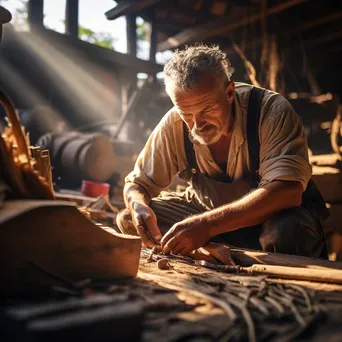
column 82, row 89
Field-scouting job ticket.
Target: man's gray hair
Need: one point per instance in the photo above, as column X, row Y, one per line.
column 185, row 66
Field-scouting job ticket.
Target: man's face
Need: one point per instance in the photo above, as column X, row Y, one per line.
column 206, row 109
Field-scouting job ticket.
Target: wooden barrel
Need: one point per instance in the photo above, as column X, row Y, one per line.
column 77, row 156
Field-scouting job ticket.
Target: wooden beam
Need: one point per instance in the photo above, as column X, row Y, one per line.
column 323, row 39
column 220, row 26
column 297, row 29
column 71, row 17
column 184, row 15
column 35, row 12
column 167, row 26
column 131, row 28
column 315, row 23
column 153, row 39
column 129, row 7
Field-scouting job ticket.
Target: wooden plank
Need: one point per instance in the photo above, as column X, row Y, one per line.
column 247, row 257
column 129, row 7
column 220, row 26
column 328, row 182
column 71, row 18
column 54, row 236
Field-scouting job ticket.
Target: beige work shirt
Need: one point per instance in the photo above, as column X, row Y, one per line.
column 283, row 147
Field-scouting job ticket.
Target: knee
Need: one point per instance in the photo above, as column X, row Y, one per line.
column 277, row 231
column 124, row 222
column 290, row 232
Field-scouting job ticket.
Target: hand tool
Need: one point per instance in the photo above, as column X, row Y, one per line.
column 284, row 272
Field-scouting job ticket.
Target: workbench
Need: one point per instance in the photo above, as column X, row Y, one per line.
column 182, row 301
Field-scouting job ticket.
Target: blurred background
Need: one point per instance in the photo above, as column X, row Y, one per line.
column 86, row 77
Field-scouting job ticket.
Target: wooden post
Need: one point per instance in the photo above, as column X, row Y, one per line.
column 71, row 18
column 153, row 42
column 153, row 38
column 131, row 34
column 35, row 13
column 131, row 28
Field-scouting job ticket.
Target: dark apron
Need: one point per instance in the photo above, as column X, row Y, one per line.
column 212, row 193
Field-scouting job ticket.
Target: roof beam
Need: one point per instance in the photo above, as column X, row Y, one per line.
column 220, row 26
column 316, row 22
column 129, row 7
column 324, row 39
column 297, row 29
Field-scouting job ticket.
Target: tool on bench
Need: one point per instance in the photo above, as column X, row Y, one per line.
column 156, row 251
column 284, row 272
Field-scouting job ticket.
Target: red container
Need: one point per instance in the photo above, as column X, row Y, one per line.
column 92, row 189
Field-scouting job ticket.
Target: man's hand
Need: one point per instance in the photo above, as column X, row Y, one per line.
column 186, row 236
column 145, row 222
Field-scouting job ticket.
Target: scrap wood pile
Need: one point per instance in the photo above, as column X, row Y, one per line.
column 26, row 171
column 99, row 209
column 252, row 309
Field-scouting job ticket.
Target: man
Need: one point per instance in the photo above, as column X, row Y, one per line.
column 220, row 159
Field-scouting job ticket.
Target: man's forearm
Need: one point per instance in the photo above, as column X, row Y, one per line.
column 254, row 208
column 135, row 193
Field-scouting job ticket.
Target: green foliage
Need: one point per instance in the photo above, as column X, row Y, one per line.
column 102, row 39
column 19, row 17
column 142, row 30
column 23, row 9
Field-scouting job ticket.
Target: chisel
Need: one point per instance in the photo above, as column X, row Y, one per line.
column 284, row 272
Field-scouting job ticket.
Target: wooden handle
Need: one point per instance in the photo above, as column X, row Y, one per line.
column 297, row 273
column 15, row 123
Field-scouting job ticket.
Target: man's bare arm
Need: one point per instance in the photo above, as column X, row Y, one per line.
column 144, row 219
column 256, row 207
column 135, row 193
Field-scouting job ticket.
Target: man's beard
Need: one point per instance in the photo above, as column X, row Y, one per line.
column 206, row 139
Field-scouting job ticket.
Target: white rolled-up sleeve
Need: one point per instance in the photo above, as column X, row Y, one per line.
column 283, row 144
column 156, row 165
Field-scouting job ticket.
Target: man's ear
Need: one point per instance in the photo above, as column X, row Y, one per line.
column 230, row 90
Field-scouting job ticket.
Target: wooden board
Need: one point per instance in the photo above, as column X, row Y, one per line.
column 246, row 257
column 56, row 236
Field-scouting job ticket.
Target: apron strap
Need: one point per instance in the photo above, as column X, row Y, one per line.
column 189, row 149
column 253, row 118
